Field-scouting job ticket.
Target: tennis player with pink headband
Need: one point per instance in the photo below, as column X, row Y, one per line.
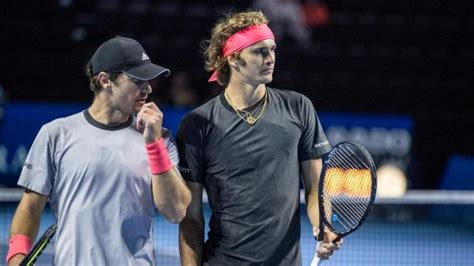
column 247, row 148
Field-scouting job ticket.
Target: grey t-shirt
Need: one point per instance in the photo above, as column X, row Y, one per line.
column 99, row 187
column 251, row 175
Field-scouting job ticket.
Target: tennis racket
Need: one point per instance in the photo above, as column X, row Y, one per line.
column 35, row 253
column 347, row 189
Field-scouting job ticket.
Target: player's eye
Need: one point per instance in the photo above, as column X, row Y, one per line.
column 138, row 82
column 262, row 51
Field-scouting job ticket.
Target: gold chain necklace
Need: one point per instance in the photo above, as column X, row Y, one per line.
column 248, row 116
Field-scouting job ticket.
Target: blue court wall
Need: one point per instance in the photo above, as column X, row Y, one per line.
column 458, row 173
column 387, row 137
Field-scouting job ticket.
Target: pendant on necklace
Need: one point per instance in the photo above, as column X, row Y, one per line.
column 250, row 119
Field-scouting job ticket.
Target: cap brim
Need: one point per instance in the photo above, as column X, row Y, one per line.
column 148, row 71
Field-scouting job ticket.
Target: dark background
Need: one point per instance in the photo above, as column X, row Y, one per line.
column 392, row 57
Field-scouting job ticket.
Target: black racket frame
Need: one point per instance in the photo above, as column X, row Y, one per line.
column 322, row 213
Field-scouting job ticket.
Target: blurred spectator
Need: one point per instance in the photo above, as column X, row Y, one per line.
column 316, row 13
column 286, row 19
column 181, row 93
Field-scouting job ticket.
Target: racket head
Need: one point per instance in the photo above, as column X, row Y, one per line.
column 347, row 188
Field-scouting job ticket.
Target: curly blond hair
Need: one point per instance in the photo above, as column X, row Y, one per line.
column 224, row 28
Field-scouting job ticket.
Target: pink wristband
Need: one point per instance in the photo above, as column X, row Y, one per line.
column 19, row 244
column 158, row 158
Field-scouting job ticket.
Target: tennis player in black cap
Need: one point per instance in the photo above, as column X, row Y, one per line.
column 104, row 170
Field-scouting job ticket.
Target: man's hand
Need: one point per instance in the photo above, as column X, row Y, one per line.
column 16, row 260
column 150, row 118
column 326, row 247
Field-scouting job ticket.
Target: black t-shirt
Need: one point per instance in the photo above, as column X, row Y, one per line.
column 251, row 175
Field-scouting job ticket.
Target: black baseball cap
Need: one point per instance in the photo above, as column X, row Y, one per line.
column 121, row 54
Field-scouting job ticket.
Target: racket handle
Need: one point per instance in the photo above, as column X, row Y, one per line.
column 316, row 260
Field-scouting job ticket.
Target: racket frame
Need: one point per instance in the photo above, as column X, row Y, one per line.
column 322, row 212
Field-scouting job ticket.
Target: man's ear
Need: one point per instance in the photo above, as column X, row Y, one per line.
column 232, row 61
column 235, row 61
column 104, row 80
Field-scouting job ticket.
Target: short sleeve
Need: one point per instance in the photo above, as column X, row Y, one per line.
column 38, row 170
column 171, row 147
column 190, row 142
column 313, row 142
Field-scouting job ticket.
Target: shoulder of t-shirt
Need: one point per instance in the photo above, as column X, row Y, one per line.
column 202, row 114
column 206, row 107
column 291, row 96
column 63, row 122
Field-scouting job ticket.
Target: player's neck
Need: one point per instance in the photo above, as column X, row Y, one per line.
column 245, row 95
column 105, row 114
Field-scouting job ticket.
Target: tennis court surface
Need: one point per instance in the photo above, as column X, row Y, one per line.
column 422, row 228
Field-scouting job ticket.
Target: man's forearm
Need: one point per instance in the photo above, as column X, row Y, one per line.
column 311, row 170
column 191, row 241
column 27, row 217
column 312, row 206
column 25, row 225
column 171, row 194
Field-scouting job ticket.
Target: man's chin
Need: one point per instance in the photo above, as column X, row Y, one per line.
column 267, row 80
column 137, row 108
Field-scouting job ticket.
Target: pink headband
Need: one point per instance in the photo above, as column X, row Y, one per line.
column 244, row 39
